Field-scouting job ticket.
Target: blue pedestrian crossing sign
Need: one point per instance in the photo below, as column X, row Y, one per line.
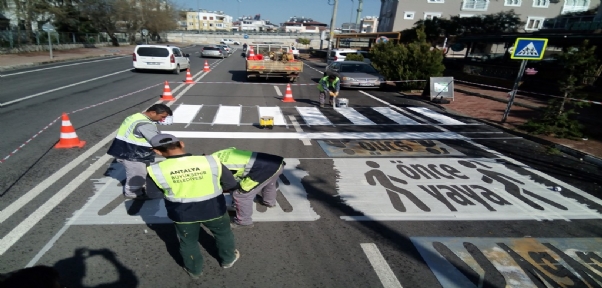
column 529, row 48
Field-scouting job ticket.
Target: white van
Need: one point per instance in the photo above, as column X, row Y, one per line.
column 339, row 54
column 160, row 57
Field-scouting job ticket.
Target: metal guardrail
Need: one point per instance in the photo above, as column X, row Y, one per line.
column 242, row 33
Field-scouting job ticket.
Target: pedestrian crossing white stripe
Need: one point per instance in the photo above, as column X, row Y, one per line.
column 274, row 112
column 398, row 118
column 185, row 113
column 313, row 116
column 228, row 115
column 354, row 116
column 316, row 135
column 436, row 116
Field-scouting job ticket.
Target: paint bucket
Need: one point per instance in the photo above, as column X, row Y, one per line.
column 342, row 102
column 266, row 122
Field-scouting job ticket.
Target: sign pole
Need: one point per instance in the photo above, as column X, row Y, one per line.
column 521, row 71
column 50, row 44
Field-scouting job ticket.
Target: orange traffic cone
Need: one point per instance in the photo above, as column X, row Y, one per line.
column 206, row 68
column 251, row 54
column 288, row 96
column 188, row 77
column 68, row 137
column 167, row 96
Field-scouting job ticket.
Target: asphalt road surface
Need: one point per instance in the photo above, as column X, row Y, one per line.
column 387, row 192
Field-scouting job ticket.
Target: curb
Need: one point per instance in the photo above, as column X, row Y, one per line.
column 586, row 157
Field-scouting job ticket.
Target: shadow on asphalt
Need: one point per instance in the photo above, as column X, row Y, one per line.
column 73, row 270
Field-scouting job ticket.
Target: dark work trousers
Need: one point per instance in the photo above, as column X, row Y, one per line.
column 188, row 234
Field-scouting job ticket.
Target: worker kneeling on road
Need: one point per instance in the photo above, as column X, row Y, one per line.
column 257, row 172
column 193, row 196
column 329, row 84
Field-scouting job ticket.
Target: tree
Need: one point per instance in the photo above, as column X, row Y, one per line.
column 412, row 61
column 304, row 41
column 579, row 65
column 354, row 57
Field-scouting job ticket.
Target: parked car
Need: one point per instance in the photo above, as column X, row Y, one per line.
column 356, row 74
column 226, row 47
column 339, row 54
column 160, row 57
column 229, row 42
column 214, row 51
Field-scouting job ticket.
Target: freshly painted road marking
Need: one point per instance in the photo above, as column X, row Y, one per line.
column 380, row 266
column 278, row 91
column 396, row 108
column 315, row 135
column 436, row 116
column 186, row 113
column 28, row 223
column 313, row 116
column 298, row 128
column 398, row 118
column 61, row 88
column 228, row 115
column 273, row 112
column 61, row 66
column 355, row 117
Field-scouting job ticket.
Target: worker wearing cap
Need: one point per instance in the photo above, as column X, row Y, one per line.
column 257, row 172
column 330, row 85
column 131, row 148
column 192, row 187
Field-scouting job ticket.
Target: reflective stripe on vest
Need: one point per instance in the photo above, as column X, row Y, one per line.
column 184, row 180
column 235, row 159
column 325, row 79
column 128, row 127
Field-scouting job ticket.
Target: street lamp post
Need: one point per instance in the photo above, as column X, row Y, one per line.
column 332, row 23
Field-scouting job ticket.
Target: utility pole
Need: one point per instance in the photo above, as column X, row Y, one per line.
column 332, row 23
column 358, row 18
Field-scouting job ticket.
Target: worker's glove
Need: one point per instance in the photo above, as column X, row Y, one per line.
column 332, row 94
column 336, row 94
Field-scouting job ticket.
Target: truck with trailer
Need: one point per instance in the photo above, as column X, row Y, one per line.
column 268, row 63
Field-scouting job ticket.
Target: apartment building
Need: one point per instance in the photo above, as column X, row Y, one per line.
column 204, row 20
column 397, row 15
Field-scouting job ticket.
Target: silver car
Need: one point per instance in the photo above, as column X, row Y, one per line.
column 226, row 47
column 356, row 74
column 214, row 51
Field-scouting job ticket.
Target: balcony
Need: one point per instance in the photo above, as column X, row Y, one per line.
column 586, row 22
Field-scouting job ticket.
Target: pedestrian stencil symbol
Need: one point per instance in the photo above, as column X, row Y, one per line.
column 529, row 50
column 108, row 207
column 390, row 189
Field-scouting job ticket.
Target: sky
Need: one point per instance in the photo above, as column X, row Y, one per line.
column 276, row 10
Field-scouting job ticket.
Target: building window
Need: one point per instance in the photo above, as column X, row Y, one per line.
column 431, row 15
column 466, row 15
column 512, row 3
column 436, row 1
column 204, row 17
column 210, row 18
column 541, row 3
column 408, row 15
column 475, row 5
column 534, row 23
column 575, row 6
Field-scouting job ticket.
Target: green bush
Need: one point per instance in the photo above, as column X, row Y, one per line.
column 354, row 57
column 412, row 61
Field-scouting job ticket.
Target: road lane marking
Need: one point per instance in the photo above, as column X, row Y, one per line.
column 316, row 135
column 298, row 128
column 380, row 266
column 61, row 88
column 278, row 91
column 61, row 66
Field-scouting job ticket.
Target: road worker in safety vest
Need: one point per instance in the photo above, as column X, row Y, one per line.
column 192, row 186
column 330, row 85
column 256, row 172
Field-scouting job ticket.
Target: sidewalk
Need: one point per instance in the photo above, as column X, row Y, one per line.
column 21, row 60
